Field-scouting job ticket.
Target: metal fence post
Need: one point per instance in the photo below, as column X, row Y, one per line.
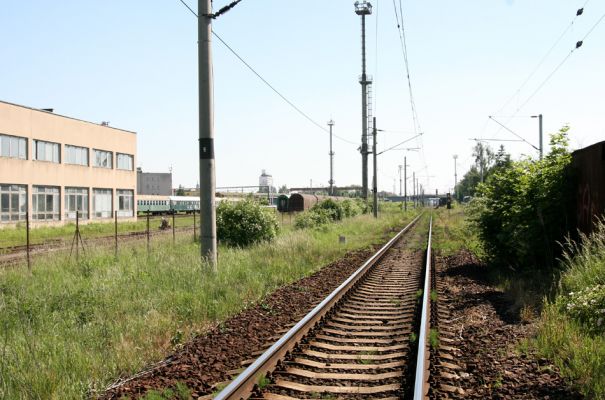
column 148, row 232
column 77, row 234
column 194, row 226
column 29, row 266
column 173, row 223
column 116, row 232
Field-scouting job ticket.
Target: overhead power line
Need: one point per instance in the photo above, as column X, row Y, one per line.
column 537, row 67
column 297, row 109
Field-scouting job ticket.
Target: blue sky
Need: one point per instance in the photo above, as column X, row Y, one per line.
column 134, row 63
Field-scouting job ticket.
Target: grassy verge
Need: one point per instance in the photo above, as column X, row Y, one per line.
column 572, row 326
column 67, row 330
column 451, row 232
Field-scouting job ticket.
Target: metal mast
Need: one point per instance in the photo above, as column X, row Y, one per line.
column 375, row 180
column 455, row 174
column 331, row 181
column 206, row 136
column 362, row 9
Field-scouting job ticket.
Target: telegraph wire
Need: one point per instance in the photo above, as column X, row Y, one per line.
column 268, row 84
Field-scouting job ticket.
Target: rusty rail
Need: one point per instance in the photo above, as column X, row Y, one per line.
column 243, row 385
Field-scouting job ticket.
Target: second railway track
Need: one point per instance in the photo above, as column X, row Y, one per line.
column 361, row 341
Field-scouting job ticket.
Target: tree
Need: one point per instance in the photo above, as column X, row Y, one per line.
column 283, row 189
column 180, row 191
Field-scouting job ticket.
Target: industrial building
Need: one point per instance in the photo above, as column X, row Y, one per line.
column 154, row 183
column 52, row 166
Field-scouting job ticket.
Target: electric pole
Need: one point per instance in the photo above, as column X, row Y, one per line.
column 539, row 116
column 331, row 182
column 414, row 187
column 455, row 174
column 405, row 183
column 362, row 9
column 206, row 135
column 375, row 183
column 400, row 167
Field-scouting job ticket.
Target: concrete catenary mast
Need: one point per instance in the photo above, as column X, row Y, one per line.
column 331, row 182
column 206, row 136
column 362, row 9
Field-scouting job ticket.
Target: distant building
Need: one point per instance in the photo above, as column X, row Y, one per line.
column 52, row 166
column 265, row 180
column 158, row 183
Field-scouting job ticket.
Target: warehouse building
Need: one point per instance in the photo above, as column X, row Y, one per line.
column 52, row 166
column 154, row 183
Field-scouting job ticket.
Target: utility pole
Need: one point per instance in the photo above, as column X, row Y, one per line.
column 455, row 174
column 400, row 167
column 375, row 183
column 331, row 182
column 206, row 135
column 414, row 186
column 362, row 9
column 405, row 183
column 539, row 116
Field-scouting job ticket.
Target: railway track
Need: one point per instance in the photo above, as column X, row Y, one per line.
column 367, row 339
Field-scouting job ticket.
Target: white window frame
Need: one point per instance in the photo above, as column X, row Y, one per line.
column 125, row 202
column 121, row 157
column 76, row 199
column 13, row 147
column 106, row 159
column 9, row 212
column 47, row 151
column 42, row 197
column 76, row 155
column 97, row 212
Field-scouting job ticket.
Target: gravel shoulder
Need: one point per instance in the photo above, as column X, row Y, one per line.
column 481, row 353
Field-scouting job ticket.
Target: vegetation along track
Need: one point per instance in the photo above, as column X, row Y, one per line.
column 361, row 341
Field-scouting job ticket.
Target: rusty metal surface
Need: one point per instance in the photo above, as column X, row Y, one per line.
column 588, row 167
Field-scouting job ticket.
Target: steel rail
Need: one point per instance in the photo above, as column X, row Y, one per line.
column 242, row 386
column 422, row 361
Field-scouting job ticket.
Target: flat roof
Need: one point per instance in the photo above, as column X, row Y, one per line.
column 65, row 116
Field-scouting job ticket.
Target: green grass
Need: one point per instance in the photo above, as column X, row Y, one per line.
column 451, row 232
column 67, row 330
column 15, row 236
column 578, row 351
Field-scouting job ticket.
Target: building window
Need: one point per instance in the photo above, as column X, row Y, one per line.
column 102, row 203
column 76, row 199
column 76, row 155
column 45, row 203
column 103, row 159
column 13, row 202
column 125, row 203
column 125, row 161
column 47, row 151
column 13, row 147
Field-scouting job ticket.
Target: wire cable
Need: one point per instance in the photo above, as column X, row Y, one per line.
column 271, row 86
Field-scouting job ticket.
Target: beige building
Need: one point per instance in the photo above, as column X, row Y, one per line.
column 52, row 166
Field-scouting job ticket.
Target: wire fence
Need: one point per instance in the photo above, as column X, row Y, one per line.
column 24, row 243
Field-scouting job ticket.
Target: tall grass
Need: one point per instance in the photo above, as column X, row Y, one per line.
column 68, row 329
column 577, row 350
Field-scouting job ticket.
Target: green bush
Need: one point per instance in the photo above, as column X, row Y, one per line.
column 350, row 208
column 332, row 208
column 313, row 218
column 244, row 222
column 521, row 210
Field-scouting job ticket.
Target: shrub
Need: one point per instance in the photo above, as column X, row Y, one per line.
column 331, row 207
column 520, row 212
column 587, row 307
column 244, row 222
column 312, row 219
column 350, row 208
